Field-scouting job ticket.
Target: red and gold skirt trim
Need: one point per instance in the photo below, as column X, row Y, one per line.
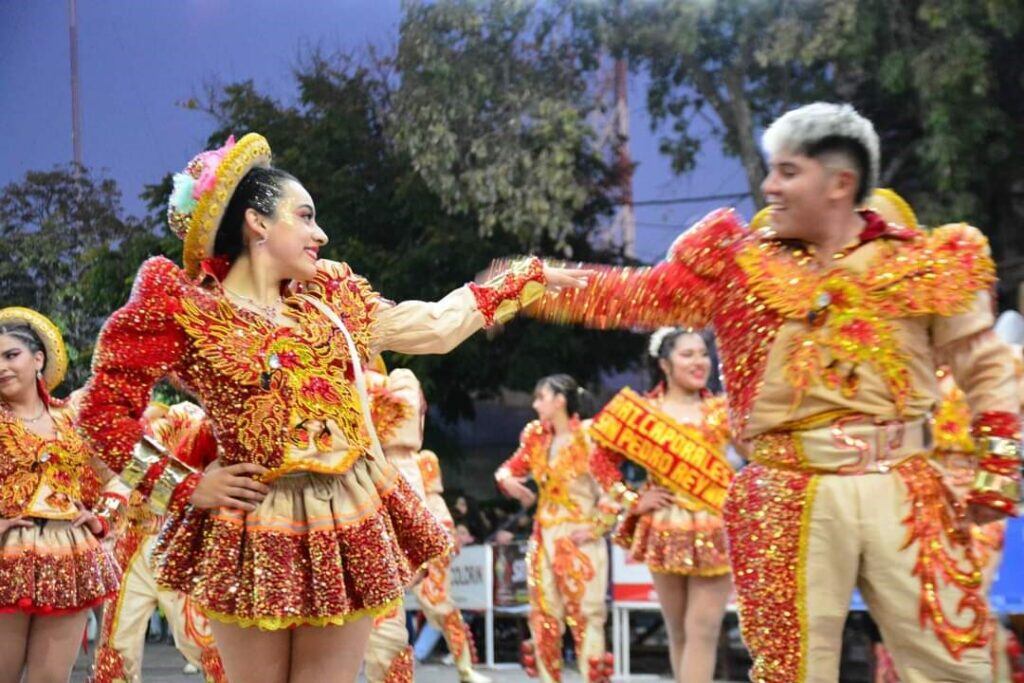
column 675, row 540
column 54, row 568
column 319, row 550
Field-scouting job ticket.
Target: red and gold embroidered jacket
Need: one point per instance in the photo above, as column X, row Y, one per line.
column 279, row 396
column 801, row 343
column 41, row 477
column 567, row 491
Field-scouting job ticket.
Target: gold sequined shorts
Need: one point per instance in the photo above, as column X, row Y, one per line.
column 53, row 568
column 675, row 540
column 319, row 550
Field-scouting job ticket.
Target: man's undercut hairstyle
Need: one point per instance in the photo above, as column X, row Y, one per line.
column 825, row 129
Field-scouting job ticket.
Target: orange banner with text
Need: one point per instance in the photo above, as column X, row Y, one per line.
column 676, row 455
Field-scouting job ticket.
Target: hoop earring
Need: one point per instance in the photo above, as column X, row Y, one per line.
column 260, row 243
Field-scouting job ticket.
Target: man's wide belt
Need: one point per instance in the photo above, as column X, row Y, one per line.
column 853, row 445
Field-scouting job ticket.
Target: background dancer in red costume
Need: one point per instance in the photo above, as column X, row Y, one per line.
column 679, row 536
column 53, row 569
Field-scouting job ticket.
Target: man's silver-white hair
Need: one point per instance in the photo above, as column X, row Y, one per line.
column 797, row 130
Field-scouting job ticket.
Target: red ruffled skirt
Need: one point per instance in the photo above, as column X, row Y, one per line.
column 319, row 550
column 54, row 568
column 676, row 540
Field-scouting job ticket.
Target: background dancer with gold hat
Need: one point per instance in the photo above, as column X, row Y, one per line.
column 676, row 531
column 567, row 559
column 53, row 569
column 184, row 430
column 831, row 322
column 301, row 530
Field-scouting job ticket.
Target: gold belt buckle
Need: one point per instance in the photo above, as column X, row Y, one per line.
column 888, row 441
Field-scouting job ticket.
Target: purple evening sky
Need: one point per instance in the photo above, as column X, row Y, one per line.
column 138, row 59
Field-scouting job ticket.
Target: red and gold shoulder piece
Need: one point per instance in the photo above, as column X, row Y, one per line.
column 936, row 273
column 532, row 431
column 387, row 410
column 704, row 247
column 348, row 294
column 158, row 277
column 962, row 247
column 427, row 457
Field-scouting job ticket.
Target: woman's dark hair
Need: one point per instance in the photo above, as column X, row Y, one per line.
column 27, row 336
column 668, row 344
column 260, row 189
column 473, row 519
column 566, row 386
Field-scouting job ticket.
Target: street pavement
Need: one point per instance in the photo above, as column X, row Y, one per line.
column 163, row 664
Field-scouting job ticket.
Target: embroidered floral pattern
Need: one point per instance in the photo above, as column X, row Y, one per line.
column 931, row 524
column 30, row 461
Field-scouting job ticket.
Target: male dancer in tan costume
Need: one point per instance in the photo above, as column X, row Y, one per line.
column 123, row 632
column 831, row 322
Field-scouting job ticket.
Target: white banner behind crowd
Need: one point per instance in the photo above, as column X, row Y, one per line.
column 470, row 582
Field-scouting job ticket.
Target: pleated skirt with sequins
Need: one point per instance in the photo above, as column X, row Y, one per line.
column 319, row 550
column 676, row 540
column 54, row 568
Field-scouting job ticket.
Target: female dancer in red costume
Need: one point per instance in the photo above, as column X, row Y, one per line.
column 302, row 529
column 680, row 537
column 52, row 567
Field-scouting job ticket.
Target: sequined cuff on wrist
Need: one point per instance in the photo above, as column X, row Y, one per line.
column 501, row 298
column 104, row 528
column 166, row 489
column 624, row 496
column 155, row 474
column 182, row 495
column 110, row 511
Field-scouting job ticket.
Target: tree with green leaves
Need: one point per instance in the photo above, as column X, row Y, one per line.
column 492, row 112
column 63, row 236
column 939, row 78
column 711, row 61
column 392, row 227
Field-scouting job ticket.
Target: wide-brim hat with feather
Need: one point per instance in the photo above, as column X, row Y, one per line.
column 203, row 190
column 49, row 334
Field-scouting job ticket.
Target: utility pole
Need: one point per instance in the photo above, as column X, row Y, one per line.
column 76, row 110
column 626, row 218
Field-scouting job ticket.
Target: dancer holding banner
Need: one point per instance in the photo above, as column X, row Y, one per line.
column 678, row 433
column 831, row 321
column 567, row 559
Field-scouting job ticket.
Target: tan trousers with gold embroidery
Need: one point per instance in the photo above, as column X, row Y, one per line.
column 568, row 585
column 389, row 656
column 434, row 595
column 123, row 634
column 855, row 539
